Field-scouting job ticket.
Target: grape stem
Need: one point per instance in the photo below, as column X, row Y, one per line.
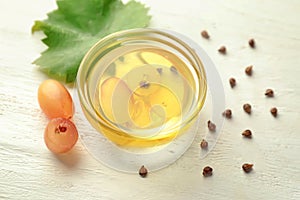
column 60, row 129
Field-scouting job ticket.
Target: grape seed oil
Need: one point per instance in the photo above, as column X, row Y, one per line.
column 144, row 93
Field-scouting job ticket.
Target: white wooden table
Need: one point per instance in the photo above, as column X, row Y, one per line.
column 29, row 171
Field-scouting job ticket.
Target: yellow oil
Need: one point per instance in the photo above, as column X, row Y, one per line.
column 144, row 95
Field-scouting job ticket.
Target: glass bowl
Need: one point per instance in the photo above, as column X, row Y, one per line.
column 141, row 92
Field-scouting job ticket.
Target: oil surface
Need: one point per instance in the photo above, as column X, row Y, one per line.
column 144, row 94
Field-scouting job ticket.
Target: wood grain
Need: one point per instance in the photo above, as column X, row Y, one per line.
column 29, row 171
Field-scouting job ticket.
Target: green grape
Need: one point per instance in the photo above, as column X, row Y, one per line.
column 60, row 135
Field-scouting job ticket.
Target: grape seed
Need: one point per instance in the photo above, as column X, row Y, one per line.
column 205, row 34
column 232, row 82
column 247, row 167
column 143, row 171
column 248, row 70
column 247, row 133
column 211, row 126
column 269, row 93
column 247, row 108
column 251, row 43
column 222, row 50
column 274, row 111
column 207, row 171
column 204, row 144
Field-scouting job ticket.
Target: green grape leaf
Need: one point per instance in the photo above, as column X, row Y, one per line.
column 76, row 25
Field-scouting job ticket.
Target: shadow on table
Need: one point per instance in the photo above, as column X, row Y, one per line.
column 69, row 159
